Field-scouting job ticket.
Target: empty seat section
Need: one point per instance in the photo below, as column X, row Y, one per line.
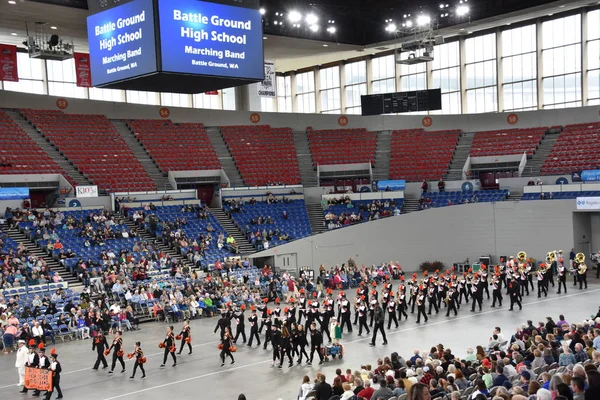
column 416, row 155
column 342, row 146
column 19, row 154
column 506, row 142
column 577, row 148
column 263, row 154
column 95, row 147
column 176, row 147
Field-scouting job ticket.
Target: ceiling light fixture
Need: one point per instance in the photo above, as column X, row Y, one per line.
column 12, row 2
column 462, row 10
column 391, row 27
column 423, row 20
column 314, row 28
column 264, row 38
column 409, row 24
column 311, row 19
column 294, row 16
column 325, row 45
column 53, row 28
column 331, row 29
column 263, row 11
column 13, row 34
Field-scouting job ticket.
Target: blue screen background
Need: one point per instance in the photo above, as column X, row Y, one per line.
column 175, row 59
column 146, row 62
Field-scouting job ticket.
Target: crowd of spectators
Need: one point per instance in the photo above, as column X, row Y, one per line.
column 356, row 212
column 546, row 361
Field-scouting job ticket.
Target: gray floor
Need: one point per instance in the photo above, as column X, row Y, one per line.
column 200, row 375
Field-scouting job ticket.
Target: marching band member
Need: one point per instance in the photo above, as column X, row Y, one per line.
column 402, row 306
column 240, row 329
column 99, row 344
column 285, row 347
column 355, row 304
column 362, row 317
column 302, row 306
column 326, row 315
column 43, row 363
column 186, row 337
column 483, row 274
column 139, row 360
column 117, row 346
column 562, row 273
column 462, row 288
column 316, row 340
column 450, row 300
column 253, row 319
column 276, row 342
column 276, row 313
column 263, row 309
column 496, row 289
column 431, row 297
column 222, row 323
column 226, row 346
column 420, row 301
column 345, row 313
column 301, row 343
column 541, row 281
column 56, row 370
column 291, row 314
column 32, row 360
column 581, row 270
column 477, row 292
column 391, row 309
column 169, row 345
column 379, row 321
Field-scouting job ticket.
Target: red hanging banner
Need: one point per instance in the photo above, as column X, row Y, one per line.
column 82, row 69
column 8, row 63
column 212, row 92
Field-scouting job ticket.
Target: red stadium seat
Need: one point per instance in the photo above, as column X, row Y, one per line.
column 416, row 155
column 176, row 147
column 95, row 147
column 263, row 154
column 507, row 142
column 342, row 146
column 576, row 149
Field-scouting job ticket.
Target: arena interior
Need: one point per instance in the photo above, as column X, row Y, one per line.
column 290, row 174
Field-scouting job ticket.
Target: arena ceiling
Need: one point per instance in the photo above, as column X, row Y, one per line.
column 359, row 24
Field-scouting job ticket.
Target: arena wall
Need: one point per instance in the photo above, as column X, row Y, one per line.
column 468, row 123
column 448, row 234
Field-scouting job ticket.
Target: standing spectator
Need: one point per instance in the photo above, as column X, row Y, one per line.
column 22, row 356
column 323, row 389
column 424, row 186
column 305, row 388
column 441, row 185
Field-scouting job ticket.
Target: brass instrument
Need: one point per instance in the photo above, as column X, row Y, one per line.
column 551, row 257
column 522, row 256
column 580, row 260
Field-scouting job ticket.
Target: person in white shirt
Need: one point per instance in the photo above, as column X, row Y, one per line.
column 38, row 332
column 22, row 357
column 305, row 388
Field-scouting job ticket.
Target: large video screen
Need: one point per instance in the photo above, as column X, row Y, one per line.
column 203, row 38
column 122, row 42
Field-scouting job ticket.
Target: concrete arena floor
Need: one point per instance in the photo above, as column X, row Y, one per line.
column 199, row 376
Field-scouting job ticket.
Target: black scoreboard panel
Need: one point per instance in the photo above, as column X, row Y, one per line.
column 401, row 102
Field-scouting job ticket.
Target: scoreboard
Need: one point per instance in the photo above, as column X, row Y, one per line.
column 401, row 102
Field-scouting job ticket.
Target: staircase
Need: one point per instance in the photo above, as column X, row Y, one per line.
column 534, row 165
column 305, row 161
column 146, row 236
column 316, row 218
column 52, row 151
column 459, row 158
column 410, row 205
column 232, row 229
column 160, row 180
column 381, row 170
column 225, row 157
column 20, row 237
column 514, row 197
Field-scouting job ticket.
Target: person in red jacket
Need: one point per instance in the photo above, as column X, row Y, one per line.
column 367, row 392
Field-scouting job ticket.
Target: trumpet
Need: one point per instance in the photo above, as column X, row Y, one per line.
column 522, row 256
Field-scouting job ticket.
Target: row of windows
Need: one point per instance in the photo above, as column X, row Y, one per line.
column 61, row 81
column 507, row 61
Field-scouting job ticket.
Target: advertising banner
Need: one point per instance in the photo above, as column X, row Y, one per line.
column 588, row 203
column 391, row 185
column 121, row 42
column 86, row 191
column 203, row 38
column 591, row 175
column 8, row 63
column 82, row 69
column 268, row 86
column 14, row 193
